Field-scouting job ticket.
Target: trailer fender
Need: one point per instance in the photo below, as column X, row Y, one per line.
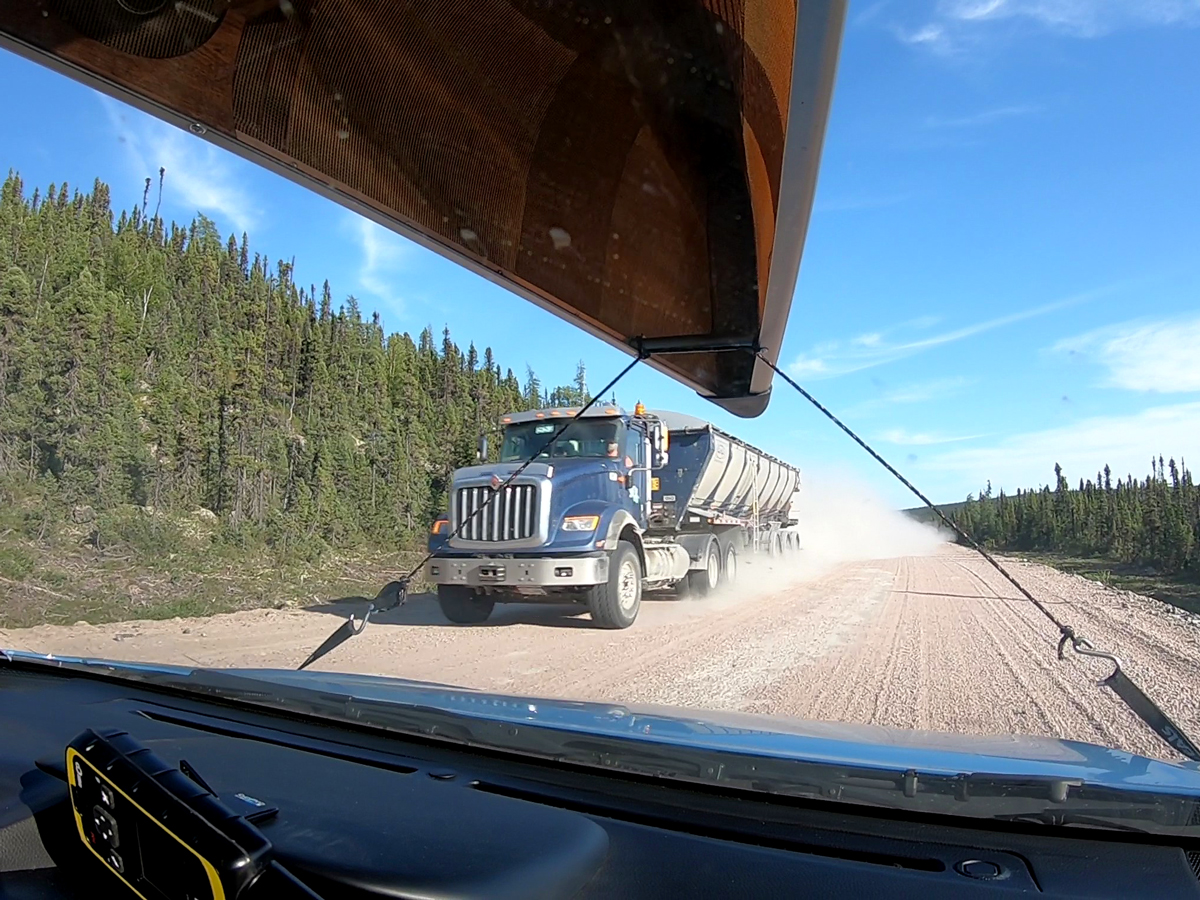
column 696, row 545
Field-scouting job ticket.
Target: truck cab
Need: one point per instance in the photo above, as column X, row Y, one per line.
column 568, row 528
column 601, row 512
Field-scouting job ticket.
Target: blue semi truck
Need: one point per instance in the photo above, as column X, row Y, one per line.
column 620, row 504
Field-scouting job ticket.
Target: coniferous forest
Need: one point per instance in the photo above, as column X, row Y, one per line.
column 171, row 400
column 165, row 369
column 1154, row 522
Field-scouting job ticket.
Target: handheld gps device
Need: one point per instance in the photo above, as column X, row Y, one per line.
column 162, row 833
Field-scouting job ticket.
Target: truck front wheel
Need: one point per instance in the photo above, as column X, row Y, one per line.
column 615, row 603
column 462, row 605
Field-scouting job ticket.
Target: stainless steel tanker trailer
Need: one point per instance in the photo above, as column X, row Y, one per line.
column 620, row 504
column 717, row 491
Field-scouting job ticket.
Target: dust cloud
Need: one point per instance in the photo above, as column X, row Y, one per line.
column 840, row 520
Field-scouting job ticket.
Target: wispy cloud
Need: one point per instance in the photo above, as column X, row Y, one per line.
column 385, row 256
column 920, row 439
column 1161, row 356
column 1078, row 18
column 1124, row 442
column 871, row 12
column 953, row 26
column 199, row 175
column 865, row 351
column 986, row 117
column 908, row 393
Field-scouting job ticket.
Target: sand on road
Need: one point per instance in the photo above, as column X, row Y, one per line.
column 937, row 642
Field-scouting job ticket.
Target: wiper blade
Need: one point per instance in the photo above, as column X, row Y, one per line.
column 1060, row 818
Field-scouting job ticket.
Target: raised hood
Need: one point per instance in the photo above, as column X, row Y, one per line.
column 643, row 168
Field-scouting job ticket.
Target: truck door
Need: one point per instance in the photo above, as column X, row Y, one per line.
column 636, row 454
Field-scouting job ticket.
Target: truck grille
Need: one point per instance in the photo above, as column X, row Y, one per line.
column 512, row 516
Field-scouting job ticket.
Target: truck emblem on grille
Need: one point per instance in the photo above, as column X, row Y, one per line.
column 495, row 482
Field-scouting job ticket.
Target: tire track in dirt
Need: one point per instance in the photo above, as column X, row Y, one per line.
column 1041, row 660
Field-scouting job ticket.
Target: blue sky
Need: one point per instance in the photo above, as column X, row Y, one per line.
column 1002, row 270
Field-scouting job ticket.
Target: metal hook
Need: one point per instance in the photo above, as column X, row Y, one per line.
column 356, row 627
column 1084, row 647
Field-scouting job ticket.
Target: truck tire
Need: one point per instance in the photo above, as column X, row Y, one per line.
column 702, row 582
column 615, row 603
column 462, row 605
column 729, row 571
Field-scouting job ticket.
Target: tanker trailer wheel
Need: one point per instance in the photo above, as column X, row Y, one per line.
column 729, row 572
column 775, row 544
column 701, row 582
column 615, row 603
column 462, row 605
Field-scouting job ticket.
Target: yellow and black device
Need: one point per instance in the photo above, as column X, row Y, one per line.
column 160, row 832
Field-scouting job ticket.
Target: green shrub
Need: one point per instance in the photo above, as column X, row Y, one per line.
column 16, row 562
column 148, row 536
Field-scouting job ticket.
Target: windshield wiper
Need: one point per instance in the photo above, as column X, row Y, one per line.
column 1060, row 818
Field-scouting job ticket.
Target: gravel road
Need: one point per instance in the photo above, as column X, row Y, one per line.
column 937, row 642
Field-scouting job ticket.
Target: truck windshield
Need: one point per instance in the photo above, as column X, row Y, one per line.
column 600, row 438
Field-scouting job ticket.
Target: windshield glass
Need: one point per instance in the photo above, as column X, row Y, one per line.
column 235, row 403
column 596, row 438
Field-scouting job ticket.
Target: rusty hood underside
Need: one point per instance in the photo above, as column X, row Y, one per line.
column 644, row 169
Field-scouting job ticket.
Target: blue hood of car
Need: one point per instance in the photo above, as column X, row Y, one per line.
column 865, row 746
column 656, row 731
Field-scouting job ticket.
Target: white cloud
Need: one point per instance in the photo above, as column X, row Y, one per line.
column 911, row 392
column 385, row 256
column 199, row 175
column 1162, row 356
column 919, row 439
column 932, row 34
column 871, row 12
column 986, row 117
column 954, row 26
column 1079, row 18
column 923, row 391
column 865, row 351
column 1126, row 443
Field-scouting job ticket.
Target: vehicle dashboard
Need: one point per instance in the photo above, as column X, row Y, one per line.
column 365, row 813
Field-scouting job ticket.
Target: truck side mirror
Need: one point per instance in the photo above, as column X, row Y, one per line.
column 658, row 443
column 482, row 451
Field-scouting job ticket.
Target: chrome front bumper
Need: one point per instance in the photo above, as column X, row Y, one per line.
column 544, row 573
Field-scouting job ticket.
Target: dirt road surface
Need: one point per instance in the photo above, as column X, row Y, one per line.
column 937, row 642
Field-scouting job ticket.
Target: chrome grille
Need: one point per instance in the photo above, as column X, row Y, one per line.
column 512, row 516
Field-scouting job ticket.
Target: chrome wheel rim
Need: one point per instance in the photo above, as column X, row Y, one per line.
column 714, row 569
column 731, row 567
column 627, row 586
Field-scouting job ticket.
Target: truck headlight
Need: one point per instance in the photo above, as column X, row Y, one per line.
column 581, row 523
